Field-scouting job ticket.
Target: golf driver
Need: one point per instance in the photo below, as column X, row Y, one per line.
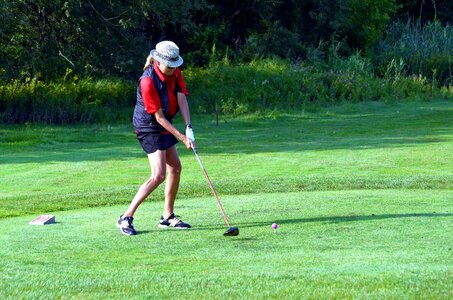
column 232, row 231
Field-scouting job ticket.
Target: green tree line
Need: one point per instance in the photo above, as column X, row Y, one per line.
column 78, row 61
column 43, row 39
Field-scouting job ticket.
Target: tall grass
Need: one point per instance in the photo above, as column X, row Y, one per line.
column 259, row 86
column 425, row 50
column 281, row 85
column 65, row 102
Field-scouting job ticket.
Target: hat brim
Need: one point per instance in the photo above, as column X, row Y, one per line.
column 168, row 63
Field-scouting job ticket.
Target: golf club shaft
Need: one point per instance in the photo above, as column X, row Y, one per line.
column 212, row 188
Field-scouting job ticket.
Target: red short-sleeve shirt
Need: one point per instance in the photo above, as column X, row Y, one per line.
column 150, row 95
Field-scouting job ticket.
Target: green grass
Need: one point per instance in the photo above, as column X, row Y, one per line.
column 363, row 195
column 340, row 244
column 368, row 146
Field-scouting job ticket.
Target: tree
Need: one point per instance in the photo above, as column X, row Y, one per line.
column 43, row 38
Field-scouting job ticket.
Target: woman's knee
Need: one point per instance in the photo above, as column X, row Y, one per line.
column 175, row 169
column 157, row 178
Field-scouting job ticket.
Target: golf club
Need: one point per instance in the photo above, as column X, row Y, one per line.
column 232, row 231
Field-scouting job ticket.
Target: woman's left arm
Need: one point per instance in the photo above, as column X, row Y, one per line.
column 184, row 108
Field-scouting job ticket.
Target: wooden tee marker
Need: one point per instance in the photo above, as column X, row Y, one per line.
column 43, row 220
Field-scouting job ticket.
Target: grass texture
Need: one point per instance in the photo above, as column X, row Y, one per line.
column 363, row 146
column 348, row 244
column 363, row 195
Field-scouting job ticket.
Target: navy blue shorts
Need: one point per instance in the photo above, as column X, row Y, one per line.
column 151, row 142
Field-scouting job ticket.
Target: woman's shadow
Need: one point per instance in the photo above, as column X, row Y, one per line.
column 351, row 218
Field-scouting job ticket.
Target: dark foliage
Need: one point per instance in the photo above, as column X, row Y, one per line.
column 42, row 38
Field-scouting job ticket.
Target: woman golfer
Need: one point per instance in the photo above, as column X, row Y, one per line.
column 161, row 93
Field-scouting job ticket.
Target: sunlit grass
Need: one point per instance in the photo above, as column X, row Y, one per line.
column 341, row 244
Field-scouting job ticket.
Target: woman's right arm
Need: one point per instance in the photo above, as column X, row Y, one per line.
column 159, row 114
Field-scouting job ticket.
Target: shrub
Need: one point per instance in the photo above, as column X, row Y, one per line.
column 426, row 51
column 259, row 86
column 64, row 102
column 266, row 85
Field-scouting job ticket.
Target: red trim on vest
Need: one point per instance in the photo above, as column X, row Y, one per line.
column 150, row 95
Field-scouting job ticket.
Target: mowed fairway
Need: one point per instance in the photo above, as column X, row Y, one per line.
column 363, row 195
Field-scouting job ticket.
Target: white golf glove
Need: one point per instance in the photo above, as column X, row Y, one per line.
column 189, row 133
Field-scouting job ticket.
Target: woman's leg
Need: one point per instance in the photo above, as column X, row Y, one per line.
column 157, row 162
column 173, row 177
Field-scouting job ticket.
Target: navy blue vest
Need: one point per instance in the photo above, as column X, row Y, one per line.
column 144, row 122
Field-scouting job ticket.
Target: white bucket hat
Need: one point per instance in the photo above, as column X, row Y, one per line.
column 167, row 53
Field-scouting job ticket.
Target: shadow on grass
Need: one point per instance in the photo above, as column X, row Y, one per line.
column 341, row 219
column 333, row 219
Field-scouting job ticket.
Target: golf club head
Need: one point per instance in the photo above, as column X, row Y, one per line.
column 232, row 231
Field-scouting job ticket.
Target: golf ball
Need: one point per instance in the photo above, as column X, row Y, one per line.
column 274, row 225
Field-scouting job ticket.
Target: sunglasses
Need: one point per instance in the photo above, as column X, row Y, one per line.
column 170, row 68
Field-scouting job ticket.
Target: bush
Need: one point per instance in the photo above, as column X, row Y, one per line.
column 426, row 51
column 259, row 86
column 65, row 102
column 274, row 84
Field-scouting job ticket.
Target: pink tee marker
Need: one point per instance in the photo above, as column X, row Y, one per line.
column 274, row 225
